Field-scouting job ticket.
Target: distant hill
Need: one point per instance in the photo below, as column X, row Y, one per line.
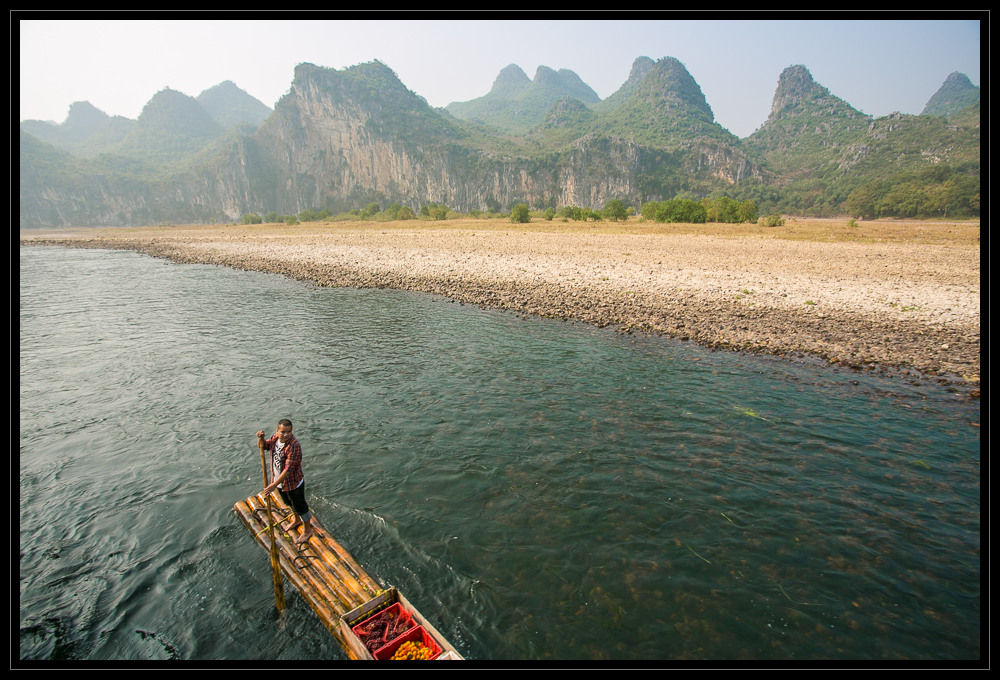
column 171, row 127
column 229, row 106
column 182, row 125
column 516, row 104
column 86, row 131
column 83, row 120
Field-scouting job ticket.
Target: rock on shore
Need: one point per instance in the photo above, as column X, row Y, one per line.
column 863, row 305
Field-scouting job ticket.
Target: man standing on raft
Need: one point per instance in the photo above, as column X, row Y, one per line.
column 287, row 477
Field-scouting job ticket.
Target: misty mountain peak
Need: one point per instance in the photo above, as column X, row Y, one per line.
column 544, row 72
column 229, row 105
column 84, row 119
column 511, row 79
column 955, row 94
column 562, row 82
column 171, row 110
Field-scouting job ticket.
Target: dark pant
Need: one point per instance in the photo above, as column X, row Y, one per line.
column 297, row 499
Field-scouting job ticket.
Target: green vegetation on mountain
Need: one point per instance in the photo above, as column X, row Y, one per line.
column 41, row 163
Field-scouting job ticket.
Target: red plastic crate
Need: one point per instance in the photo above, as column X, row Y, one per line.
column 400, row 622
column 418, row 634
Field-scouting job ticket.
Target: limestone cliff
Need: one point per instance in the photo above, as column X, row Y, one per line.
column 324, row 147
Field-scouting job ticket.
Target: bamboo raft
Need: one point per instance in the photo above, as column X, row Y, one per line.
column 334, row 585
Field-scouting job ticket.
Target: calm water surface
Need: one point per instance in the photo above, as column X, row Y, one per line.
column 538, row 489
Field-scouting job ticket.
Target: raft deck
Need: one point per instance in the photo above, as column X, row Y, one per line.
column 327, row 576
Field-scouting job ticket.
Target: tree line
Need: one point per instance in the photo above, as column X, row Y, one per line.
column 941, row 191
column 720, row 209
column 938, row 192
column 934, row 192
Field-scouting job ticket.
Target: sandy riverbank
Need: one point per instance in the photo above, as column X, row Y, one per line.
column 875, row 297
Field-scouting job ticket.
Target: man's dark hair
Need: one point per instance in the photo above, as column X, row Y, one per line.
column 285, row 422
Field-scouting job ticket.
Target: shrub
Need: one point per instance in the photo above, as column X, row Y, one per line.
column 747, row 211
column 616, row 210
column 680, row 210
column 571, row 212
column 435, row 211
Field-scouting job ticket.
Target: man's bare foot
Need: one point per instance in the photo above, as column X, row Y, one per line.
column 294, row 525
column 307, row 533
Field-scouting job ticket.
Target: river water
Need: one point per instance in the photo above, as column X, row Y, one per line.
column 538, row 489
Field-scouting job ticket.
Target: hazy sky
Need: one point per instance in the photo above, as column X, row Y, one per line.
column 118, row 65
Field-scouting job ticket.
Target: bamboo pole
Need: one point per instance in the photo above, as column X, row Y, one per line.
column 326, row 614
column 279, row 588
column 319, row 598
column 310, row 567
column 345, row 563
column 338, row 569
column 342, row 564
column 367, row 583
column 319, row 574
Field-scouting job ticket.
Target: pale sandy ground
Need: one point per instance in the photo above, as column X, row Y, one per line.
column 913, row 308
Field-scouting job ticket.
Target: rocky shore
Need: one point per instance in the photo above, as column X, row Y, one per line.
column 906, row 307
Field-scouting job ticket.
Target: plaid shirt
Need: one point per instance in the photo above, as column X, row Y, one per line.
column 289, row 459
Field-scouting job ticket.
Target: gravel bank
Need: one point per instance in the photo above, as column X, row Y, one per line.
column 883, row 306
